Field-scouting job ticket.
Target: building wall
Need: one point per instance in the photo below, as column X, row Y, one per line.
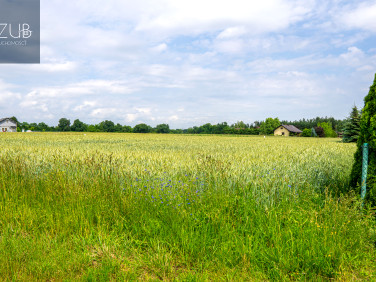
column 8, row 129
column 281, row 131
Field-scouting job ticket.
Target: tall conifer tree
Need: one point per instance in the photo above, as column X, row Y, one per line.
column 352, row 127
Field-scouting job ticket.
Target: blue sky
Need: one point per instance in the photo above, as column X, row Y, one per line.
column 187, row 63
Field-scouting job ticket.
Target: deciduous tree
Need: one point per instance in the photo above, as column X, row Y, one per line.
column 78, row 126
column 42, row 126
column 64, row 124
column 107, row 126
column 142, row 128
column 269, row 125
column 162, row 128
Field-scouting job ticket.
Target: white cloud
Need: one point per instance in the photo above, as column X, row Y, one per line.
column 232, row 32
column 158, row 70
column 85, row 105
column 195, row 16
column 362, row 17
column 160, row 48
column 55, row 67
column 366, row 68
column 8, row 96
column 131, row 117
column 354, row 56
column 230, row 46
column 173, row 118
column 199, row 61
column 29, row 104
column 102, row 113
column 143, row 110
column 83, row 88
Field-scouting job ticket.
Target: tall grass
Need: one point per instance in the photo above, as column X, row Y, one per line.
column 149, row 207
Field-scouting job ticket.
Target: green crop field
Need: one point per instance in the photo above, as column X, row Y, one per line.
column 99, row 207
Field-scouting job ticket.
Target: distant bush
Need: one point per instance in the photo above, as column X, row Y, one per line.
column 319, row 131
column 307, row 132
column 328, row 129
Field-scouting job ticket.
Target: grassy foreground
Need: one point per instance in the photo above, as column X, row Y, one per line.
column 100, row 207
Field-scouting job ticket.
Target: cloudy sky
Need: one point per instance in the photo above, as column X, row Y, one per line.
column 189, row 62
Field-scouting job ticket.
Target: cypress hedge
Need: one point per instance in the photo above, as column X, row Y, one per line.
column 367, row 135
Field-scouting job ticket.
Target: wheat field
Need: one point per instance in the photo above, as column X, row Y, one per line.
column 100, row 206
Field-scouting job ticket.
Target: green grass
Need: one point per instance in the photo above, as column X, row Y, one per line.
column 101, row 207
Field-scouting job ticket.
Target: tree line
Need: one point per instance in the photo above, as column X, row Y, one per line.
column 330, row 125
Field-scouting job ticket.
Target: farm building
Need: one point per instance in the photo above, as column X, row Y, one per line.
column 8, row 125
column 287, row 130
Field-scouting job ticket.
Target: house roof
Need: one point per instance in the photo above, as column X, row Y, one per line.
column 7, row 119
column 291, row 128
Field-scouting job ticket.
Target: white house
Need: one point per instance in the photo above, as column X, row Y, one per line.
column 8, row 125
